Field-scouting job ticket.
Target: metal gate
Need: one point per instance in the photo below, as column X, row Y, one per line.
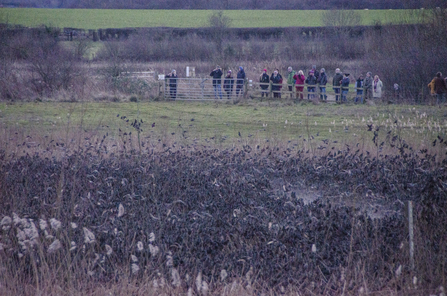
column 199, row 89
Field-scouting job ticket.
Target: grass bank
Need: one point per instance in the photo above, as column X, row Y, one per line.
column 223, row 124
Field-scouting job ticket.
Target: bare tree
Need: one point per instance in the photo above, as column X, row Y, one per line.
column 341, row 18
column 219, row 23
column 343, row 23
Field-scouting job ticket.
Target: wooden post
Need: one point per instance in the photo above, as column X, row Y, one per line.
column 411, row 233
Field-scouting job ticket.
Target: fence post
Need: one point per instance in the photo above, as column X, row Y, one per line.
column 317, row 91
column 411, row 233
column 245, row 89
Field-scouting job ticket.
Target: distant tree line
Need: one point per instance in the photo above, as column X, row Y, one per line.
column 34, row 63
column 227, row 4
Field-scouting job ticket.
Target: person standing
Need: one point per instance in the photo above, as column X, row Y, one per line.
column 265, row 80
column 300, row 79
column 440, row 88
column 431, row 86
column 396, row 91
column 336, row 82
column 276, row 80
column 316, row 73
column 172, row 83
column 240, row 81
column 359, row 89
column 322, row 81
column 217, row 81
column 311, row 81
column 290, row 81
column 368, row 86
column 345, row 87
column 228, row 84
column 377, row 87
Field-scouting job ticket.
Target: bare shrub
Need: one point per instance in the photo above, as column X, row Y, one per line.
column 81, row 47
column 52, row 67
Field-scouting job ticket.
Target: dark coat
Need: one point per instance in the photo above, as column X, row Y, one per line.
column 172, row 80
column 228, row 83
column 217, row 76
column 240, row 78
column 345, row 83
column 440, row 85
column 322, row 79
column 311, row 81
column 359, row 83
column 265, row 79
column 368, row 82
column 316, row 73
column 276, row 80
column 337, row 79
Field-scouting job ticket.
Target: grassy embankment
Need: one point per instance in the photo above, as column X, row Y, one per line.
column 115, row 18
column 296, row 126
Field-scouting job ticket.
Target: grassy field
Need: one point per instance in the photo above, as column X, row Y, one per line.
column 221, row 125
column 108, row 18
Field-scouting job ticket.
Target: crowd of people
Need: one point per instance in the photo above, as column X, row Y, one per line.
column 371, row 87
column 317, row 80
column 368, row 87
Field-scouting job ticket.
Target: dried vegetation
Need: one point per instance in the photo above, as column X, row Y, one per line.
column 224, row 221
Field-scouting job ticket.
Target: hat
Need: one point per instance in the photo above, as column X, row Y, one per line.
column 265, row 70
column 173, row 70
column 240, row 68
column 346, row 74
column 229, row 71
column 311, row 71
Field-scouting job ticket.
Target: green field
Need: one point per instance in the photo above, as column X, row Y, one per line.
column 113, row 18
column 223, row 124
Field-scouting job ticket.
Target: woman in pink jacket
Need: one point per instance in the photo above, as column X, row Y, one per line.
column 299, row 83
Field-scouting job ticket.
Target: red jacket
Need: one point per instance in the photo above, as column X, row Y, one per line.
column 299, row 81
